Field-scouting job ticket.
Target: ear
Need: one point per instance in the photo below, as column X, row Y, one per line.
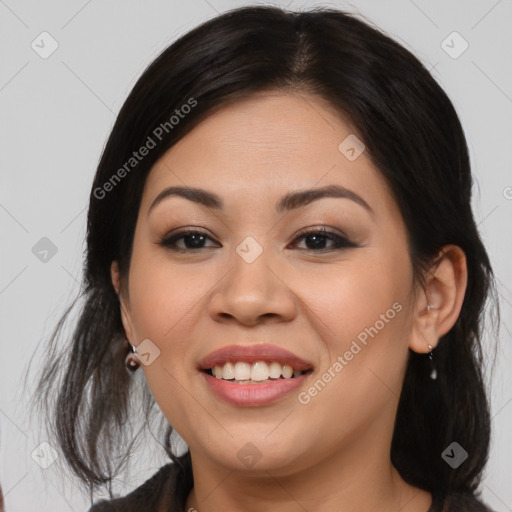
column 444, row 290
column 126, row 311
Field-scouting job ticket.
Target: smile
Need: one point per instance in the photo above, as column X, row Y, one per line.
column 253, row 375
column 247, row 373
column 254, row 393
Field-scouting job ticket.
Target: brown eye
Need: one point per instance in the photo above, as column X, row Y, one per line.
column 317, row 238
column 192, row 240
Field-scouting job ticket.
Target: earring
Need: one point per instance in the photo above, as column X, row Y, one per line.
column 433, row 373
column 131, row 361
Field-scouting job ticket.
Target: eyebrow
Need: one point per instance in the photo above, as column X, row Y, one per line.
column 289, row 201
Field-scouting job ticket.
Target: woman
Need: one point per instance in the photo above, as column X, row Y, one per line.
column 280, row 237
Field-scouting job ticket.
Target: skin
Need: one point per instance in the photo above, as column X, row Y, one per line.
column 331, row 454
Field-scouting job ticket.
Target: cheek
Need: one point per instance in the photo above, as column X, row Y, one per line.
column 351, row 296
column 163, row 300
column 363, row 316
column 167, row 302
column 369, row 312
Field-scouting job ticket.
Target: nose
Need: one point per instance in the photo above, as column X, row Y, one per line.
column 252, row 293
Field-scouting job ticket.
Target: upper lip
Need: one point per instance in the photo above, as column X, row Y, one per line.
column 253, row 354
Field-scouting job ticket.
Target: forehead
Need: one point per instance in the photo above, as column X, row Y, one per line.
column 261, row 147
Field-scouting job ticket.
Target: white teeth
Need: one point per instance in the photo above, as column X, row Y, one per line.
column 257, row 372
column 242, row 371
column 228, row 371
column 275, row 370
column 287, row 371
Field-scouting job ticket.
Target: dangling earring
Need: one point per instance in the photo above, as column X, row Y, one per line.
column 131, row 361
column 433, row 373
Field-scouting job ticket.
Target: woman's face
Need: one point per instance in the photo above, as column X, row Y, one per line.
column 250, row 278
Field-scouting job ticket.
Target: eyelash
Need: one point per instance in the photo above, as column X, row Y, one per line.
column 342, row 242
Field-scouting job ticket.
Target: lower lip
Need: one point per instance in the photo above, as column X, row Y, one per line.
column 253, row 394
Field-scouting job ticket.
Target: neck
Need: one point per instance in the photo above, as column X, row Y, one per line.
column 352, row 479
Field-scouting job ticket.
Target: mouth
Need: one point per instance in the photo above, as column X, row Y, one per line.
column 253, row 375
column 242, row 372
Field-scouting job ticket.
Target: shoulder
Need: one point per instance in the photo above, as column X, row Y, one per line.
column 151, row 495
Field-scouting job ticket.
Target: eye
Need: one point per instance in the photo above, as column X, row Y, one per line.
column 315, row 240
column 318, row 236
column 195, row 239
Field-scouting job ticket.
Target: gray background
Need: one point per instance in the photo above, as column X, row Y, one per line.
column 57, row 113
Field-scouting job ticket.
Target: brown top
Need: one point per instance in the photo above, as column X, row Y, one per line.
column 168, row 489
